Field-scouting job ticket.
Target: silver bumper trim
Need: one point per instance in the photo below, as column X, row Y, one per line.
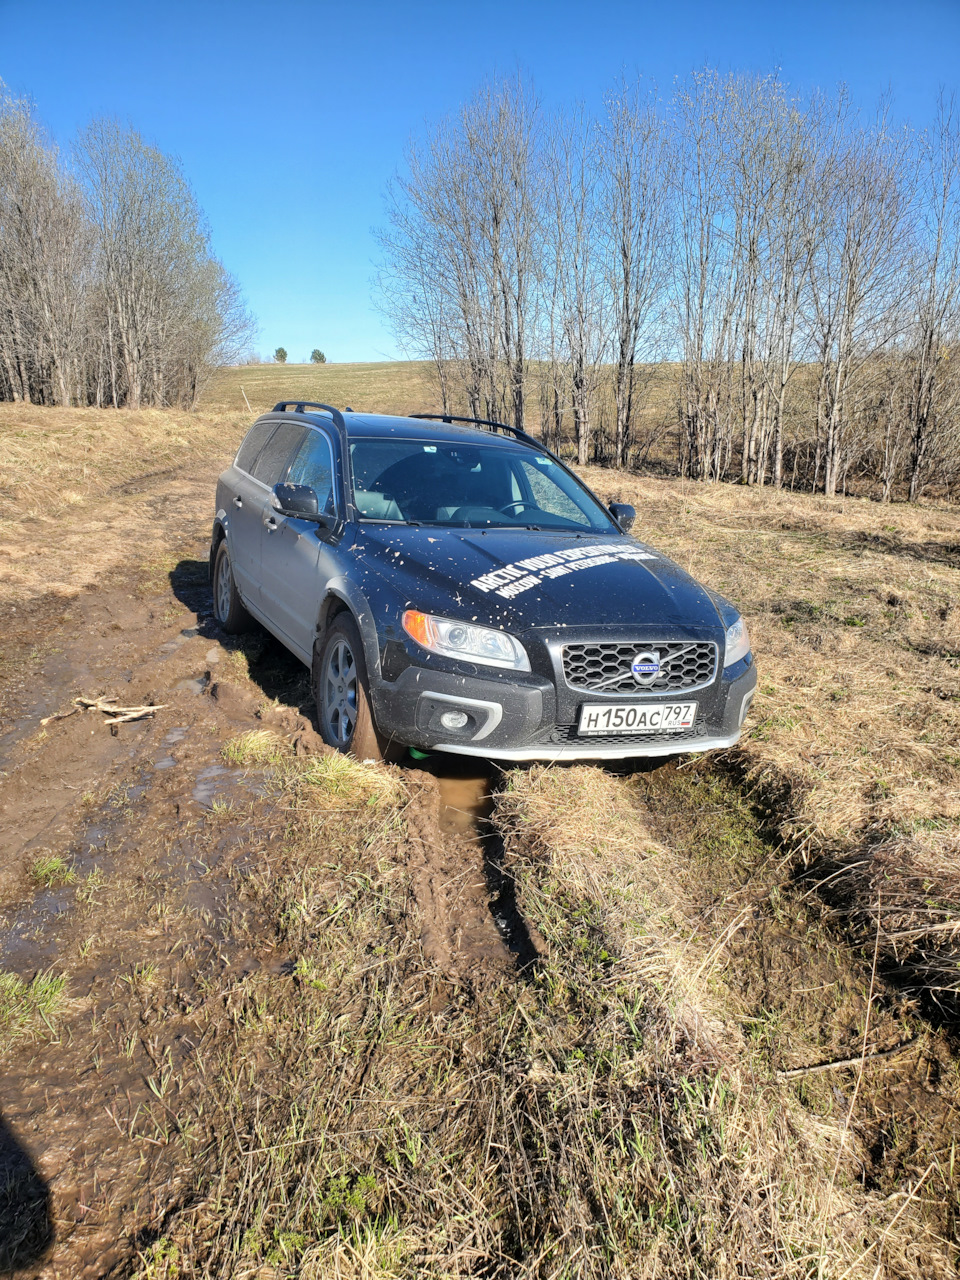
column 574, row 751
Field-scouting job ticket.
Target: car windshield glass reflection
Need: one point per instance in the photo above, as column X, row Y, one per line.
column 469, row 486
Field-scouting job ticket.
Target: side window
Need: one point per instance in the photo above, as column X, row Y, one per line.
column 313, row 465
column 269, row 467
column 256, row 438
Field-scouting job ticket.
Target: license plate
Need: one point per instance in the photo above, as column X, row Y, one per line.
column 629, row 717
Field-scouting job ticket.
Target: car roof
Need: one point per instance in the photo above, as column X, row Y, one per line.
column 388, row 426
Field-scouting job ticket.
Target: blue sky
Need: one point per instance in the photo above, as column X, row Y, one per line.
column 290, row 118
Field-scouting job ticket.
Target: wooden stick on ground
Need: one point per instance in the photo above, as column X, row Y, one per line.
column 842, row 1063
column 108, row 705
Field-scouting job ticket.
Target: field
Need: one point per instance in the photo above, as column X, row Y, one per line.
column 388, row 387
column 266, row 1012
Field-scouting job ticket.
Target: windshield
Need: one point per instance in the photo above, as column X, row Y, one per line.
column 469, row 486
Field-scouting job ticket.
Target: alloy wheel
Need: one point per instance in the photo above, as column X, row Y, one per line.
column 223, row 588
column 340, row 692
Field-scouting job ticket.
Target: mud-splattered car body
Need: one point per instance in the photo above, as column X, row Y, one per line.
column 528, row 628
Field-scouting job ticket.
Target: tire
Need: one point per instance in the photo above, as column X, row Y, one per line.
column 227, row 606
column 343, row 696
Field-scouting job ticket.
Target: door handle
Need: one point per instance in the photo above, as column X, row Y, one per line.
column 271, row 522
column 238, row 501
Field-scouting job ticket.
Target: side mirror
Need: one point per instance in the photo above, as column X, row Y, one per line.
column 624, row 514
column 298, row 500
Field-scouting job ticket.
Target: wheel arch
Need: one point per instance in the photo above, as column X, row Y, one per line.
column 219, row 535
column 344, row 597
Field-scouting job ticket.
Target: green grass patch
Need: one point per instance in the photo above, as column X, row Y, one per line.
column 52, row 870
column 258, row 747
column 23, row 1005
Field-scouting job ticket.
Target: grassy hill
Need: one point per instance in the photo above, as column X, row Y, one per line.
column 390, row 386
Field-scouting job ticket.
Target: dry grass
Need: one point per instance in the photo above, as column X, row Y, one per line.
column 854, row 736
column 852, row 609
column 613, row 1114
column 81, row 490
column 618, row 1110
column 397, row 386
column 754, row 1176
column 411, row 386
column 256, row 747
column 332, row 780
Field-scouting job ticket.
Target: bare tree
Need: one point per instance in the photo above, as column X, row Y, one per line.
column 44, row 272
column 108, row 290
column 462, row 252
column 706, row 287
column 636, row 248
column 785, row 252
column 933, row 400
column 857, row 280
column 578, row 296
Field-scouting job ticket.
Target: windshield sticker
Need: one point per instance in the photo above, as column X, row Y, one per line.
column 513, row 579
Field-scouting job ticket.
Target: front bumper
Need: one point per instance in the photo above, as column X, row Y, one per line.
column 509, row 716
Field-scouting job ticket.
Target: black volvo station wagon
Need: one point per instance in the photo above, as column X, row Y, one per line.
column 453, row 586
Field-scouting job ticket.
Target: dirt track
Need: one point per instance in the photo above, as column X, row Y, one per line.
column 159, row 835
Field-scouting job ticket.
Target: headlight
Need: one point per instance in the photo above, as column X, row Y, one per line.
column 464, row 640
column 737, row 643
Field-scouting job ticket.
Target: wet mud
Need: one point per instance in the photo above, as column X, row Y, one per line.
column 125, row 860
column 152, row 836
column 467, row 931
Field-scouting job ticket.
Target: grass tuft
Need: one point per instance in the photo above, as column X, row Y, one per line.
column 338, row 780
column 24, row 1004
column 258, row 747
column 52, row 870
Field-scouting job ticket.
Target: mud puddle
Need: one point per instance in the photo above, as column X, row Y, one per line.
column 471, row 928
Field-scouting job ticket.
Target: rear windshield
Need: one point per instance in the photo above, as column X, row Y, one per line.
column 469, row 486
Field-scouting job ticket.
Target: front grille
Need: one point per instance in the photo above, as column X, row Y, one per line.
column 606, row 668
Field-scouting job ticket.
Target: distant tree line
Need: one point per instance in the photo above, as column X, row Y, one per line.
column 109, row 291
column 789, row 266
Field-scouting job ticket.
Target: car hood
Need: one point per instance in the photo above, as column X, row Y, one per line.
column 520, row 579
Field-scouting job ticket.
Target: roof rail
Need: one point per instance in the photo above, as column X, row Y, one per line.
column 301, row 406
column 478, row 422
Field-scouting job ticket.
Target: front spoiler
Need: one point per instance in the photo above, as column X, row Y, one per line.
column 626, row 751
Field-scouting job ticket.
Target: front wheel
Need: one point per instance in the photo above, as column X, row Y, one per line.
column 343, row 696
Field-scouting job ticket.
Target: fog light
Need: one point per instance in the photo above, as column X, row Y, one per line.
column 454, row 719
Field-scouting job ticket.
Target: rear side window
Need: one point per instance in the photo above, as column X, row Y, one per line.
column 272, row 463
column 257, row 437
column 313, row 465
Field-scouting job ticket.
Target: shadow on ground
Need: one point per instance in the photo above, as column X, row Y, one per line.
column 280, row 675
column 26, row 1224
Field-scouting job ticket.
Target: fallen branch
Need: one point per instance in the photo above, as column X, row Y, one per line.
column 840, row 1063
column 108, row 706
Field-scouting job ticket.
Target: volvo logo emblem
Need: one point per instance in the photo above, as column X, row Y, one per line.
column 646, row 667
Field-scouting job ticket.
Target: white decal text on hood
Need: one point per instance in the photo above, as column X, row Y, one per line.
column 513, row 579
